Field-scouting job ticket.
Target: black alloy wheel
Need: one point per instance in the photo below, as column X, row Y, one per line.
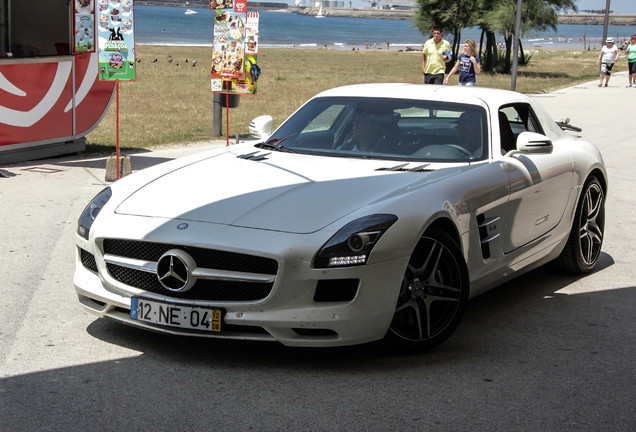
column 433, row 294
column 583, row 248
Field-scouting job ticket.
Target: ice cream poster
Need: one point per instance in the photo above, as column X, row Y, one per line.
column 251, row 71
column 84, row 29
column 116, row 40
column 228, row 46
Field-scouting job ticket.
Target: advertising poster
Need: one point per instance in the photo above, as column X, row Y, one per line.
column 228, row 46
column 247, row 84
column 116, row 40
column 84, row 29
column 221, row 4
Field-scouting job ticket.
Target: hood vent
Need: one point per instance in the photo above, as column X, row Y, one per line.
column 255, row 156
column 404, row 168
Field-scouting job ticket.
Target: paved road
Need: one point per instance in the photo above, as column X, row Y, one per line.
column 543, row 352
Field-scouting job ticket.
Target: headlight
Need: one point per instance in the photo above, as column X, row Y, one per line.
column 91, row 211
column 352, row 244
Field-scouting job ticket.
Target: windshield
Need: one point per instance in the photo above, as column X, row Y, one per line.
column 377, row 128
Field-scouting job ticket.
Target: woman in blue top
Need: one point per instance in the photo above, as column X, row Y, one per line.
column 468, row 65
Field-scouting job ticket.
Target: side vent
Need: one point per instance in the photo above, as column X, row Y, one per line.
column 488, row 231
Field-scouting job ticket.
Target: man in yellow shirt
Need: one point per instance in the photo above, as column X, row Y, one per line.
column 435, row 55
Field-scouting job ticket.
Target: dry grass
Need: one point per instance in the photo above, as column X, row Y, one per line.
column 173, row 104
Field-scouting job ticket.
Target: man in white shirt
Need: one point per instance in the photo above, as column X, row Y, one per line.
column 607, row 57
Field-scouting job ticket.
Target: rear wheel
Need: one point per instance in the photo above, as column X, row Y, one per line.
column 586, row 238
column 433, row 295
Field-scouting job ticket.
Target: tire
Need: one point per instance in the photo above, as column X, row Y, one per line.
column 433, row 294
column 583, row 247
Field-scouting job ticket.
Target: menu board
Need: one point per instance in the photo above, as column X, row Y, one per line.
column 84, row 29
column 221, row 4
column 228, row 53
column 116, row 40
column 235, row 66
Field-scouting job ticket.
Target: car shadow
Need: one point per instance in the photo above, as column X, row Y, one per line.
column 537, row 290
column 521, row 346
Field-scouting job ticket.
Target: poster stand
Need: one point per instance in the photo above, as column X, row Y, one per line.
column 234, row 71
column 117, row 128
column 116, row 56
column 227, row 120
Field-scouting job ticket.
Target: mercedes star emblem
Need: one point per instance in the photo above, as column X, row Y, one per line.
column 174, row 270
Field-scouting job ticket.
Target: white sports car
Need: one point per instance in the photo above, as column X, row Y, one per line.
column 375, row 211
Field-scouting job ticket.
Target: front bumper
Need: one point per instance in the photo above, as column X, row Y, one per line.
column 293, row 313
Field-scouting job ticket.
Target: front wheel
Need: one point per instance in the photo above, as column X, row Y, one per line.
column 433, row 294
column 586, row 237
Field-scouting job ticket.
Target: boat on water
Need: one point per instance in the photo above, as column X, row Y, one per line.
column 320, row 13
column 190, row 12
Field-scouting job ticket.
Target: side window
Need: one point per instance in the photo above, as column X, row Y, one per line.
column 521, row 118
column 514, row 119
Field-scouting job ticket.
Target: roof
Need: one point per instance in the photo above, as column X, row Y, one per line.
column 472, row 95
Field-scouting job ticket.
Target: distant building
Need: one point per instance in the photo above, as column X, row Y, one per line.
column 401, row 4
column 329, row 4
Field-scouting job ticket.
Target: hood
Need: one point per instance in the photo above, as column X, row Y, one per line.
column 285, row 192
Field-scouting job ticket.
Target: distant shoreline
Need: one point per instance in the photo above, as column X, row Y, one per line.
column 400, row 14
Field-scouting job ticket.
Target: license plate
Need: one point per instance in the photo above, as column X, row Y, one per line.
column 176, row 315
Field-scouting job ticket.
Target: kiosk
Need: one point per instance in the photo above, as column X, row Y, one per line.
column 50, row 93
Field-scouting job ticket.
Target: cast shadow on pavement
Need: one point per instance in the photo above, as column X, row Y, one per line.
column 522, row 348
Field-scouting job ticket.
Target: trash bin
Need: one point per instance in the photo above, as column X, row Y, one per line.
column 230, row 100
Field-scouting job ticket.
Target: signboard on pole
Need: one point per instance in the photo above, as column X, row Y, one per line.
column 116, row 40
column 235, row 66
column 228, row 53
column 84, row 28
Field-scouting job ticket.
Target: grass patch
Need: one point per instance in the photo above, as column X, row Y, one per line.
column 171, row 101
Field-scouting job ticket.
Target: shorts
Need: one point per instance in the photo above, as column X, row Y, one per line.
column 606, row 68
column 467, row 83
column 632, row 67
column 434, row 79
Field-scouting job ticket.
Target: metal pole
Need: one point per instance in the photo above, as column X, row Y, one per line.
column 515, row 55
column 117, row 128
column 217, row 116
column 227, row 118
column 606, row 22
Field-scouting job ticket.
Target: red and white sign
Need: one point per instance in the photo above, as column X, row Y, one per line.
column 240, row 6
column 38, row 100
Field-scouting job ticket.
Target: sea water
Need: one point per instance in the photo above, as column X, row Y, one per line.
column 171, row 26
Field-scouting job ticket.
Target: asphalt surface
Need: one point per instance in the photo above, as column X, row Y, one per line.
column 543, row 352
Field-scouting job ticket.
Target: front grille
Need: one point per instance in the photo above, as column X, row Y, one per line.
column 203, row 289
column 210, row 290
column 206, row 258
column 88, row 260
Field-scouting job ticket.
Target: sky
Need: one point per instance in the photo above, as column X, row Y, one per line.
column 618, row 6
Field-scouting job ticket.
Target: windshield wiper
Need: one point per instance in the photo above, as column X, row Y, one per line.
column 275, row 144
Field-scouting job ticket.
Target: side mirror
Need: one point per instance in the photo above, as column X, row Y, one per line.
column 531, row 142
column 261, row 127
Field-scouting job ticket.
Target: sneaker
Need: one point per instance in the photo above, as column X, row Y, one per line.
column 628, row 85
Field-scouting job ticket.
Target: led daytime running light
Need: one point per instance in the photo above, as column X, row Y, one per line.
column 347, row 260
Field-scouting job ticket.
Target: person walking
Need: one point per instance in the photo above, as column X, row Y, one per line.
column 435, row 53
column 468, row 64
column 631, row 61
column 607, row 57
